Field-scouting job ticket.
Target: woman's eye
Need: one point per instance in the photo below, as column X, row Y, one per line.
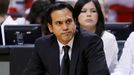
column 83, row 10
column 94, row 11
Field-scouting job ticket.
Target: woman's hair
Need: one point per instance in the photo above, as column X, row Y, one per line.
column 100, row 26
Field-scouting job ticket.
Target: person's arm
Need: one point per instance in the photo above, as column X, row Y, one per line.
column 113, row 54
column 95, row 57
column 111, row 50
column 35, row 65
column 126, row 61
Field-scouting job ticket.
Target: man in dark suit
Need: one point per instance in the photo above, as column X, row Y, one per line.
column 86, row 49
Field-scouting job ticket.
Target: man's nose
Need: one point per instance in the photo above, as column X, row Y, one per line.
column 65, row 26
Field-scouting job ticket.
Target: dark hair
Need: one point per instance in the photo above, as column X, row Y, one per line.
column 100, row 26
column 37, row 10
column 4, row 6
column 56, row 6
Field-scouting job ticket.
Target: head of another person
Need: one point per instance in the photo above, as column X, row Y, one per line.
column 4, row 6
column 60, row 21
column 88, row 15
column 37, row 11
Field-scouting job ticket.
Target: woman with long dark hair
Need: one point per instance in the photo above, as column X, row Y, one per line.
column 89, row 16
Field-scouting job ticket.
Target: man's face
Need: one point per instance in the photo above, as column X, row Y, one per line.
column 63, row 25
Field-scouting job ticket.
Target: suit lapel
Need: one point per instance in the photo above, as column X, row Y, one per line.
column 54, row 58
column 75, row 54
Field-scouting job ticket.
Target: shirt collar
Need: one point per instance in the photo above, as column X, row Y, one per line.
column 70, row 44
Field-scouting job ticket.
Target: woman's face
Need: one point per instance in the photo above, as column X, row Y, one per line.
column 88, row 16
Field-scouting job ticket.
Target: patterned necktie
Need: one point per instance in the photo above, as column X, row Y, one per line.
column 65, row 62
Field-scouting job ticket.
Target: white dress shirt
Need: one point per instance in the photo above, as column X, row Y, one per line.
column 126, row 62
column 110, row 49
column 70, row 44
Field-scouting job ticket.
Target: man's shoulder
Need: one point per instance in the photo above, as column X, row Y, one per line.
column 87, row 38
column 45, row 38
column 86, row 34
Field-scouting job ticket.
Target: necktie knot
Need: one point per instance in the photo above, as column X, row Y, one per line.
column 66, row 49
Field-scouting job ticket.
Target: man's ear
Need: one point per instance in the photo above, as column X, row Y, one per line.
column 50, row 28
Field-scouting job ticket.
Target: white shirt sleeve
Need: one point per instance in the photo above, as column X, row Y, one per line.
column 126, row 62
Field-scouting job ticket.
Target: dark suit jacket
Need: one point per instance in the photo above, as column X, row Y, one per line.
column 87, row 56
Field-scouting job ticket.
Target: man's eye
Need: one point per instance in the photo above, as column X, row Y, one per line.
column 69, row 21
column 58, row 23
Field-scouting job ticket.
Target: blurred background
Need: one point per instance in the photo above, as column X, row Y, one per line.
column 115, row 10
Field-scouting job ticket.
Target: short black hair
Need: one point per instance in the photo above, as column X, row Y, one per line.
column 100, row 26
column 56, row 6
